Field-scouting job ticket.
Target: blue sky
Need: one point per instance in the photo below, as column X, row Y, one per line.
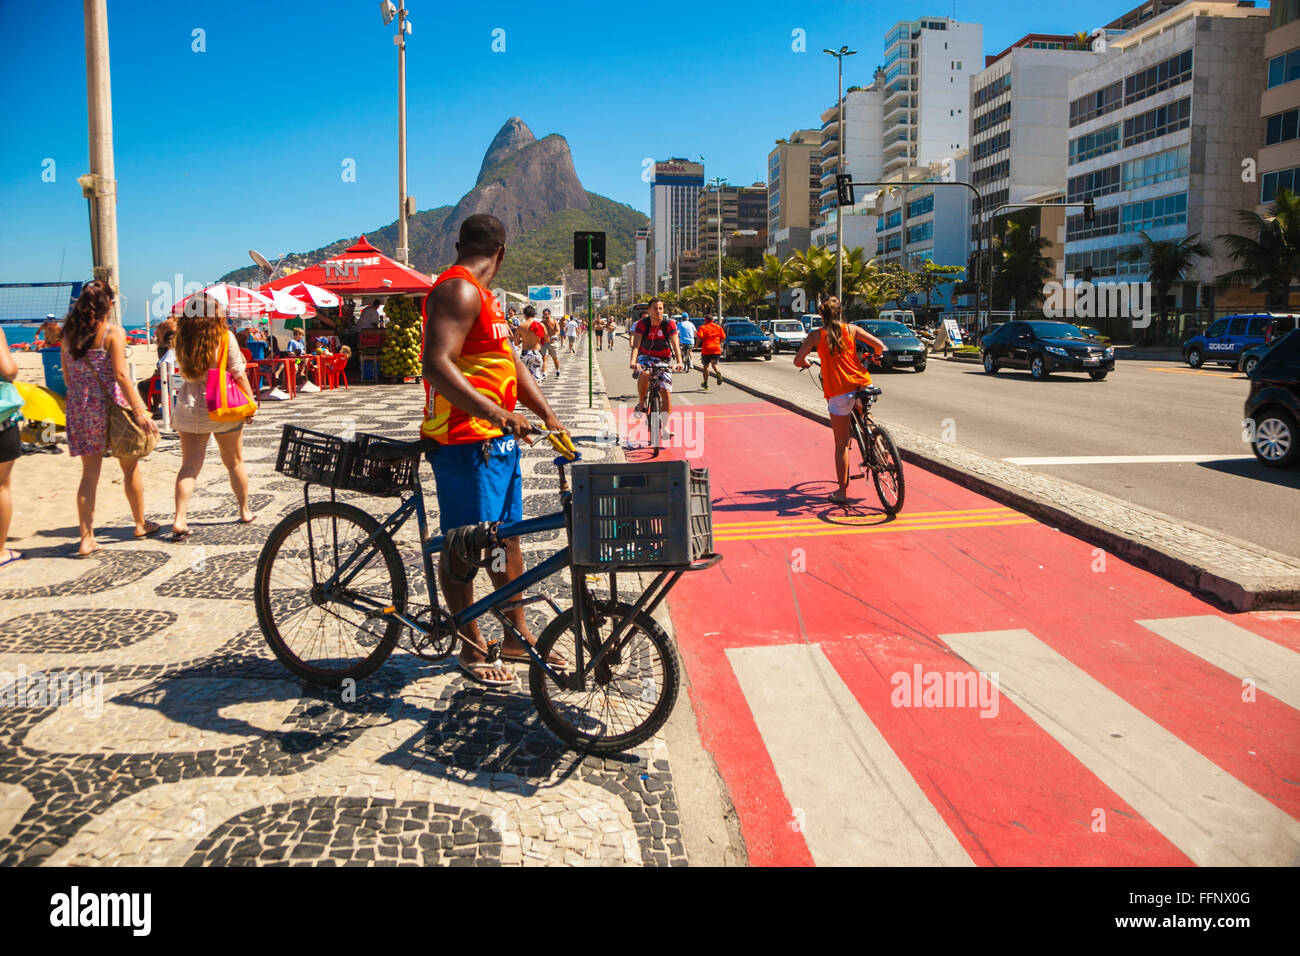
column 242, row 145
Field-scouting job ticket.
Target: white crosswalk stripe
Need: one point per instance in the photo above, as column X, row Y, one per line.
column 855, row 802
column 1208, row 814
column 1274, row 669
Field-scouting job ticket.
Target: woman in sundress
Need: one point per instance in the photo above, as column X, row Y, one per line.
column 199, row 338
column 94, row 368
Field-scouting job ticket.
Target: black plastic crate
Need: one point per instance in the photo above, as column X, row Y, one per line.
column 642, row 515
column 336, row 462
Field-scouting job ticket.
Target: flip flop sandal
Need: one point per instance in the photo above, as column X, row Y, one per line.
column 472, row 671
column 151, row 532
column 13, row 556
column 555, row 660
column 181, row 535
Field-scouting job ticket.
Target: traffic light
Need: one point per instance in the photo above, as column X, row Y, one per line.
column 1089, row 210
column 844, row 189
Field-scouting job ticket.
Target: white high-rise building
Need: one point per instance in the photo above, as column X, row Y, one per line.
column 928, row 65
column 674, row 195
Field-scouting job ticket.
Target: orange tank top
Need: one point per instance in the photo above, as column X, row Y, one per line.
column 486, row 360
column 844, row 372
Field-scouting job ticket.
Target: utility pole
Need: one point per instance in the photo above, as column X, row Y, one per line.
column 101, row 186
column 841, row 169
column 403, row 249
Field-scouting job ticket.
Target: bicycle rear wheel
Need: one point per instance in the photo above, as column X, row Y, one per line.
column 627, row 697
column 887, row 471
column 313, row 634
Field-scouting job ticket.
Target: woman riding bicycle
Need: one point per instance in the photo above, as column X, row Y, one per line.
column 842, row 375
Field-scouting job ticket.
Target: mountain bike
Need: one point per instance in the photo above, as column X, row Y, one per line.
column 878, row 452
column 331, row 589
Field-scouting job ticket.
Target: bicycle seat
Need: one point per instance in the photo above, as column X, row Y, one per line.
column 869, row 391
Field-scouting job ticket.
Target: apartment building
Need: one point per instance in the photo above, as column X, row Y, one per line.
column 794, row 175
column 744, row 209
column 926, row 90
column 1157, row 135
column 1019, row 129
column 861, row 155
column 1279, row 158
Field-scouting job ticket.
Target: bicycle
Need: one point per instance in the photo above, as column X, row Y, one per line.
column 331, row 587
column 880, row 456
column 656, row 418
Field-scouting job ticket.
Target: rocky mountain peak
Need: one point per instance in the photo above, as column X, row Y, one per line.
column 512, row 137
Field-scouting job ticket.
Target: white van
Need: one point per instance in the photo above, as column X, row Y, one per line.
column 906, row 316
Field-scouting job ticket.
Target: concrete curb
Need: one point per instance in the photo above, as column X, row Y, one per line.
column 1273, row 584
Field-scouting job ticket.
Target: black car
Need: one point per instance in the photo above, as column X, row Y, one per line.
column 744, row 338
column 1273, row 405
column 903, row 348
column 1044, row 347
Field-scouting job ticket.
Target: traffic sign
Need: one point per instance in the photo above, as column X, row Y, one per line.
column 580, row 250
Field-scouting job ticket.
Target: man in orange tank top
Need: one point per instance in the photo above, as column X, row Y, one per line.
column 842, row 375
column 473, row 380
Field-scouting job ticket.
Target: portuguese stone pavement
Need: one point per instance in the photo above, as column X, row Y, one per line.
column 203, row 750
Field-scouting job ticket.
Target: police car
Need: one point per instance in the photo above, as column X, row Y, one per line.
column 1224, row 341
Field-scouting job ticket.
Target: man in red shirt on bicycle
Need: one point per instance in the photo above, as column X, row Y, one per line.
column 654, row 339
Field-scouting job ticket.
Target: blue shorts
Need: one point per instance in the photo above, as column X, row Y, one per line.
column 471, row 489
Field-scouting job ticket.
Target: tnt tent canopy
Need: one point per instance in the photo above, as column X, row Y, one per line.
column 360, row 270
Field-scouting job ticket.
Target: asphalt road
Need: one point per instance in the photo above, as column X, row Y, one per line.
column 1160, row 409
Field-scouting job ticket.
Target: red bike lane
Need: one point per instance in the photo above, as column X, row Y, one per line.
column 1120, row 733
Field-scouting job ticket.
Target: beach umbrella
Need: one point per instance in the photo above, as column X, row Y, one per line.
column 313, row 295
column 287, row 307
column 237, row 300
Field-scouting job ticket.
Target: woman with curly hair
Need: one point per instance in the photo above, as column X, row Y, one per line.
column 95, row 370
column 200, row 335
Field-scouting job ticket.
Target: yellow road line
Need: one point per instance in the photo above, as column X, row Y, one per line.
column 891, row 526
column 907, row 517
column 1193, row 371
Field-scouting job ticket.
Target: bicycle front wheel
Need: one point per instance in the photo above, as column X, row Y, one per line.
column 629, row 694
column 316, row 634
column 655, row 418
column 887, row 471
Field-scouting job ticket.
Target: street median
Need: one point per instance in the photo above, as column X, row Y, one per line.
column 1235, row 574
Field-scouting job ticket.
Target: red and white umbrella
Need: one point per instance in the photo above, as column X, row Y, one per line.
column 236, row 300
column 288, row 307
column 312, row 295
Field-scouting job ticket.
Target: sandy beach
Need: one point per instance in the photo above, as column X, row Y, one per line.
column 45, row 485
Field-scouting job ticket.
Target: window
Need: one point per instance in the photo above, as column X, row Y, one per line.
column 992, row 90
column 1105, row 223
column 1258, row 325
column 920, row 207
column 1274, row 182
column 1281, row 127
column 1095, row 144
column 1153, row 213
column 1162, row 76
column 1158, row 122
column 1156, row 168
column 992, row 117
column 921, row 233
column 1237, row 326
column 1284, row 68
column 988, row 174
column 889, row 220
column 1097, row 104
column 994, row 144
column 1102, row 182
column 1217, row 330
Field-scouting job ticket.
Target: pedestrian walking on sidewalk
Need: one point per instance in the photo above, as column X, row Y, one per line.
column 95, row 370
column 552, row 348
column 11, row 449
column 842, row 375
column 199, row 340
column 710, row 337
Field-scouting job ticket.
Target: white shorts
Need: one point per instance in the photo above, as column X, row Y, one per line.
column 841, row 404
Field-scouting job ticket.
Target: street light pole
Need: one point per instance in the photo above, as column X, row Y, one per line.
column 840, row 169
column 717, row 182
column 403, row 27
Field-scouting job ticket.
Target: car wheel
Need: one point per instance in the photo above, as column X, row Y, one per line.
column 1277, row 440
column 767, row 357
column 921, row 367
column 990, row 364
column 1098, row 375
column 1194, row 358
column 1250, row 364
column 1038, row 368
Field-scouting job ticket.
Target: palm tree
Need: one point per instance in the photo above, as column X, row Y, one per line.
column 814, row 272
column 750, row 288
column 1269, row 254
column 1020, row 268
column 872, row 284
column 933, row 275
column 776, row 276
column 1167, row 262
